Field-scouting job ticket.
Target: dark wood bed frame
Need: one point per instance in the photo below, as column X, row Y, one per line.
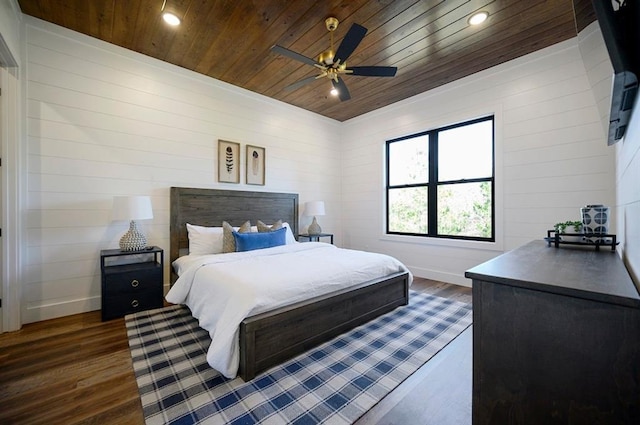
column 269, row 338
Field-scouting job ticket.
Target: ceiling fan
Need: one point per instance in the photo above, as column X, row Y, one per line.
column 333, row 63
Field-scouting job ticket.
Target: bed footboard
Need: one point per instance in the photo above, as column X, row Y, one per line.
column 272, row 337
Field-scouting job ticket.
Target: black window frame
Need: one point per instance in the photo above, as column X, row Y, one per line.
column 433, row 183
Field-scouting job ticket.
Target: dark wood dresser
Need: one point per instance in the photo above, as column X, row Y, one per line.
column 556, row 338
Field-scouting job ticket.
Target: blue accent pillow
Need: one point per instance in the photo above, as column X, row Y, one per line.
column 254, row 240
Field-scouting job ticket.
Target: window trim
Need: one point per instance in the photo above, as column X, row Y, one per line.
column 433, row 183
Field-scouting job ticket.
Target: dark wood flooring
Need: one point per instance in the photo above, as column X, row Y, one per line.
column 77, row 370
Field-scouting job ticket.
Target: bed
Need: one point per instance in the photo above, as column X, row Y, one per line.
column 270, row 337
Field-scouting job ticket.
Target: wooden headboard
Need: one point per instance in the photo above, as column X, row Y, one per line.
column 210, row 207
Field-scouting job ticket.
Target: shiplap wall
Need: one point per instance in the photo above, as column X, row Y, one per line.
column 628, row 194
column 103, row 121
column 627, row 208
column 599, row 70
column 551, row 157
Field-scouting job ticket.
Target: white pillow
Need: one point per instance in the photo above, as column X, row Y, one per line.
column 289, row 238
column 204, row 240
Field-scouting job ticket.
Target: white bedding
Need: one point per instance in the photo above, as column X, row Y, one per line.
column 222, row 290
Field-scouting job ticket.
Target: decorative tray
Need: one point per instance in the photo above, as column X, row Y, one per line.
column 593, row 239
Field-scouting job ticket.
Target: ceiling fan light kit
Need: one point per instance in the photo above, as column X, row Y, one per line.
column 478, row 18
column 333, row 63
column 168, row 16
column 171, row 19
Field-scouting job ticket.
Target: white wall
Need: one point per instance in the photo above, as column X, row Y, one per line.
column 551, row 157
column 599, row 70
column 627, row 150
column 103, row 121
column 628, row 194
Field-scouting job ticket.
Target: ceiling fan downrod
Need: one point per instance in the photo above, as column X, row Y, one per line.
column 327, row 56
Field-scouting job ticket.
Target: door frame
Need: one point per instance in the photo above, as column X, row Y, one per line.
column 11, row 224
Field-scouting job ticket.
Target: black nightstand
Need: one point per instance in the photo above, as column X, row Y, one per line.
column 316, row 238
column 131, row 281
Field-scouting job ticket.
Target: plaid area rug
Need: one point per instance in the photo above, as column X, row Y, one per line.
column 335, row 383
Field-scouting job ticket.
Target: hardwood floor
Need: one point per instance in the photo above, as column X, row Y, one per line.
column 73, row 370
column 439, row 393
column 77, row 370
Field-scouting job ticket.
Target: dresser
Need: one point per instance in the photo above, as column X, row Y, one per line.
column 131, row 281
column 556, row 338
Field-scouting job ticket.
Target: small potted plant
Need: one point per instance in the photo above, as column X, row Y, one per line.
column 560, row 227
column 573, row 226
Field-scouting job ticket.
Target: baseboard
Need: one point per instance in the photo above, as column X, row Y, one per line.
column 440, row 276
column 54, row 310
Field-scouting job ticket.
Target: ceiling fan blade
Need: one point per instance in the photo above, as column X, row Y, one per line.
column 373, row 71
column 293, row 55
column 343, row 92
column 300, row 83
column 354, row 36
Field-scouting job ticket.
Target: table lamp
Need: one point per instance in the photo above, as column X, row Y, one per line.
column 132, row 208
column 314, row 208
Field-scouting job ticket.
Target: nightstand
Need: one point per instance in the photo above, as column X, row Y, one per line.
column 131, row 281
column 316, row 238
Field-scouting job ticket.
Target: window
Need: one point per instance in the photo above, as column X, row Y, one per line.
column 440, row 183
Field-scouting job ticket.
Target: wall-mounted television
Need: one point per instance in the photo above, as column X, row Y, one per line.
column 619, row 22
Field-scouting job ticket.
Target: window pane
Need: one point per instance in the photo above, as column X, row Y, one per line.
column 408, row 161
column 466, row 152
column 408, row 210
column 465, row 209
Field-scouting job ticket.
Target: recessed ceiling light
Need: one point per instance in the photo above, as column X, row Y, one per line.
column 478, row 18
column 171, row 19
column 334, row 91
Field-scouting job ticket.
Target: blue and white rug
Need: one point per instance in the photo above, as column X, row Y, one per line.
column 335, row 383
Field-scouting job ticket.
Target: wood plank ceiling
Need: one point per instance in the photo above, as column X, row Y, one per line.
column 429, row 41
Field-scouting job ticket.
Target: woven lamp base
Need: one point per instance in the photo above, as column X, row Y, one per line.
column 133, row 240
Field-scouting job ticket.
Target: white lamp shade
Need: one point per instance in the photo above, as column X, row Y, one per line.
column 128, row 208
column 314, row 208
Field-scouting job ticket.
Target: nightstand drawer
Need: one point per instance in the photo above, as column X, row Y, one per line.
column 132, row 281
column 121, row 304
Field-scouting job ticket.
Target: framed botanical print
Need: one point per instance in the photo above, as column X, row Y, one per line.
column 255, row 165
column 228, row 162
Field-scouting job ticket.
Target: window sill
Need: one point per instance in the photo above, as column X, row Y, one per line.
column 450, row 243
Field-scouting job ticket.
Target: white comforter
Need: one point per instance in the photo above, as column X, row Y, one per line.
column 222, row 290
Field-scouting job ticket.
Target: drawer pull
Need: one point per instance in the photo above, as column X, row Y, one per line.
column 135, row 283
column 135, row 303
